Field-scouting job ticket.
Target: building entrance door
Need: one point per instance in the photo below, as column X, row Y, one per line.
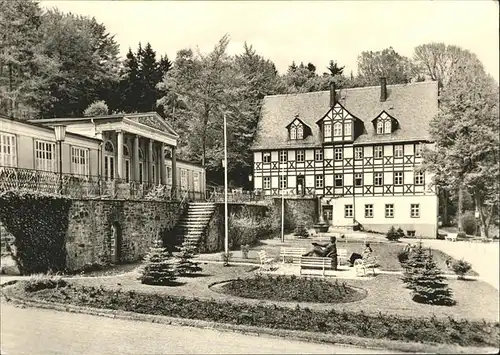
column 300, row 185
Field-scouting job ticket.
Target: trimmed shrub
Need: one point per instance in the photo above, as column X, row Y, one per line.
column 469, row 223
column 244, row 251
column 400, row 233
column 392, row 234
column 158, row 268
column 39, row 282
column 403, row 257
column 301, row 230
column 461, row 267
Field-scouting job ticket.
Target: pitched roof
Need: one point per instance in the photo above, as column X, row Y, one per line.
column 46, row 128
column 151, row 119
column 413, row 105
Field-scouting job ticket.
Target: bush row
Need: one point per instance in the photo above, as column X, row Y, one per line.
column 247, row 228
column 425, row 330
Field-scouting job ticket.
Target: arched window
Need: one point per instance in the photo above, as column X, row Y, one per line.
column 109, row 147
column 388, row 127
column 380, row 127
column 126, row 160
column 293, row 133
column 300, row 132
column 153, row 168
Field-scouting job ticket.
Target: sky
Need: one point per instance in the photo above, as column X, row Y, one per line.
column 287, row 31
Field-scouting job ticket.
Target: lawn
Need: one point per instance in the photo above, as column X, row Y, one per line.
column 476, row 300
column 387, row 252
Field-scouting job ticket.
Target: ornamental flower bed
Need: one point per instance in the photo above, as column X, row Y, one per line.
column 381, row 326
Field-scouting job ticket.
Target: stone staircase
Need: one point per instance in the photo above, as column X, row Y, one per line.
column 193, row 223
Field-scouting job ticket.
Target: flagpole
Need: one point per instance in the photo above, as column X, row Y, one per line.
column 282, row 215
column 226, row 227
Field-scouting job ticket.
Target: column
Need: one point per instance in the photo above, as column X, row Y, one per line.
column 136, row 159
column 120, row 155
column 163, row 169
column 150, row 161
column 174, row 172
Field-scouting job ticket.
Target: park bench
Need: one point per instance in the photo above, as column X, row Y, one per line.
column 452, row 237
column 315, row 262
column 361, row 265
column 266, row 262
column 342, row 256
column 293, row 253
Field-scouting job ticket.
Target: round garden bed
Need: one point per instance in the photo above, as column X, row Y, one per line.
column 292, row 289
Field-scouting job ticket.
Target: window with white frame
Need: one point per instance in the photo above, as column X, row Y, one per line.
column 283, row 156
column 378, row 151
column 319, row 181
column 347, row 129
column 388, row 127
column 266, row 182
column 169, row 175
column 318, row 155
column 184, row 179
column 358, row 179
column 378, row 179
column 369, row 211
column 419, row 178
column 141, row 166
column 266, row 157
column 339, row 180
column 109, row 161
column 415, row 210
column 380, row 127
column 196, row 181
column 398, row 151
column 348, row 211
column 358, row 153
column 337, row 129
column 300, row 132
column 418, row 150
column 338, row 154
column 126, row 157
column 300, row 155
column 45, row 156
column 80, row 161
column 389, row 210
column 283, row 182
column 293, row 133
column 8, row 150
column 398, row 178
column 327, row 131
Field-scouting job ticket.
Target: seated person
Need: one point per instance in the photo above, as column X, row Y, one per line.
column 324, row 250
column 366, row 253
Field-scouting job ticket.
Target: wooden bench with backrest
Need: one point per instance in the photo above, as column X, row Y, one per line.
column 287, row 253
column 315, row 262
column 266, row 262
column 342, row 256
column 369, row 262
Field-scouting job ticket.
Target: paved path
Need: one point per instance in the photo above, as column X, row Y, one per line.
column 37, row 331
column 484, row 257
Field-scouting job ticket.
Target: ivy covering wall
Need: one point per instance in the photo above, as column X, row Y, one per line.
column 38, row 221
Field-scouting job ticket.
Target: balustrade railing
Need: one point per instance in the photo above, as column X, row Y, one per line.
column 87, row 186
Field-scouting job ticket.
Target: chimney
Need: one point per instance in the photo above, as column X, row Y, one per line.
column 332, row 94
column 383, row 89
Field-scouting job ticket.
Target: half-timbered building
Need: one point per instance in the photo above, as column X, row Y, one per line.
column 359, row 150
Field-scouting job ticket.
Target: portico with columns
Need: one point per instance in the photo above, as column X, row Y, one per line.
column 133, row 145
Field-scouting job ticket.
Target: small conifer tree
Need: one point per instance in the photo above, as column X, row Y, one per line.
column 158, row 268
column 400, row 233
column 416, row 260
column 392, row 234
column 185, row 263
column 429, row 285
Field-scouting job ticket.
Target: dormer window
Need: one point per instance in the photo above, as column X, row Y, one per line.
column 298, row 130
column 347, row 128
column 384, row 123
column 327, row 130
